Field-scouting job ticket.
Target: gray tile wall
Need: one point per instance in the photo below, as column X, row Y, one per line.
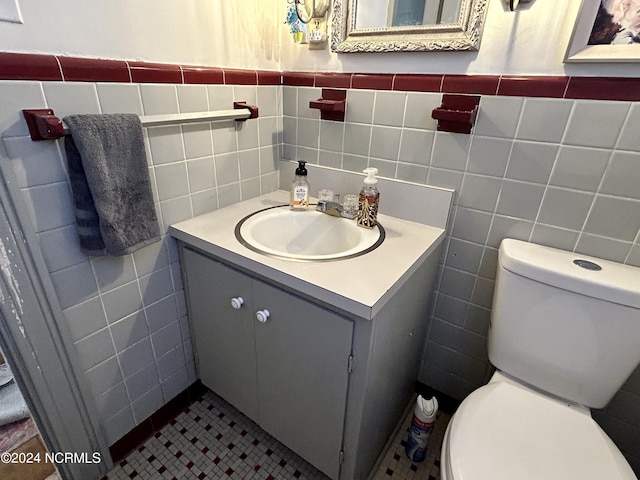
column 127, row 315
column 557, row 172
column 562, row 173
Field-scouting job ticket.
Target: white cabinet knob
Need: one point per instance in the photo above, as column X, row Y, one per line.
column 237, row 302
column 262, row 315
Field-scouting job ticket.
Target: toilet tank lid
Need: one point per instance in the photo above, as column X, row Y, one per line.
column 613, row 282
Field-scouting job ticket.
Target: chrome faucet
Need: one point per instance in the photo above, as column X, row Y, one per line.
column 330, row 208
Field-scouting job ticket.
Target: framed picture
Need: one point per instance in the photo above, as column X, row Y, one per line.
column 606, row 31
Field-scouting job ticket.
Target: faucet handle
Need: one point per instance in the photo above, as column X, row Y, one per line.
column 350, row 206
column 326, row 195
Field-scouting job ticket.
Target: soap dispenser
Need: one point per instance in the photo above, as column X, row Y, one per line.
column 299, row 199
column 368, row 200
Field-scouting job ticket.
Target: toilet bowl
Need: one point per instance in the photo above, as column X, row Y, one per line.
column 564, row 336
column 506, row 430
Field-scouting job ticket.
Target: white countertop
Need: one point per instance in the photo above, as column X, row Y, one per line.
column 360, row 285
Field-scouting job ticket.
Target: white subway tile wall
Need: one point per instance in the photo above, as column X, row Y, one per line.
column 562, row 173
column 127, row 315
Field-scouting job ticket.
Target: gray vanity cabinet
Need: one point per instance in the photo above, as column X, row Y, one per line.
column 289, row 373
column 223, row 336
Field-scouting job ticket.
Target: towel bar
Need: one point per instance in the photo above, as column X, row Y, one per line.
column 44, row 125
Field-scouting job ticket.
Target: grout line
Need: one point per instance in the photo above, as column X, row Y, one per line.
column 60, row 67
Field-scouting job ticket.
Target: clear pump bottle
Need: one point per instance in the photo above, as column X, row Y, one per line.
column 299, row 198
column 368, row 200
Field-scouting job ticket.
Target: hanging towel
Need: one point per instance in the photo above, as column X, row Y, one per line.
column 109, row 176
column 12, row 404
column 5, row 374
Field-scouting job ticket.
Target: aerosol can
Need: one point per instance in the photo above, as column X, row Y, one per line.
column 424, row 416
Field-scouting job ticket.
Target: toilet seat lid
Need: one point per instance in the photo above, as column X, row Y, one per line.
column 504, row 431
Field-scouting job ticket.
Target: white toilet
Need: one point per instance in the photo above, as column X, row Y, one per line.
column 564, row 336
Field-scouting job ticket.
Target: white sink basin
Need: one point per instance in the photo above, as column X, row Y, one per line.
column 305, row 235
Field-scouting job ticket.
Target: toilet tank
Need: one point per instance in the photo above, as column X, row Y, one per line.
column 566, row 323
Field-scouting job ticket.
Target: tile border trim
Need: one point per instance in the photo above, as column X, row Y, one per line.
column 27, row 66
column 568, row 87
column 152, row 425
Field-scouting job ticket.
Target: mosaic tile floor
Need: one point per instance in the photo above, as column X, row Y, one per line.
column 394, row 464
column 212, row 440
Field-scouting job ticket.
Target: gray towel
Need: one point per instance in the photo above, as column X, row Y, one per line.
column 110, row 183
column 12, row 404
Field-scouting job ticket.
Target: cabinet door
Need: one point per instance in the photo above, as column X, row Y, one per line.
column 223, row 336
column 302, row 362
